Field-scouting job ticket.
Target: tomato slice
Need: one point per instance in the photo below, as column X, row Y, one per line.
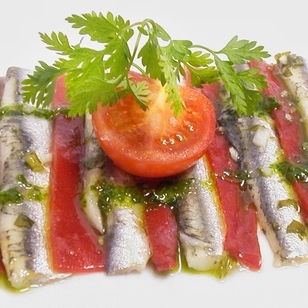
column 153, row 143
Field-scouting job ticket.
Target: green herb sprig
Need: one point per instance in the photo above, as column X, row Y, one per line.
column 103, row 75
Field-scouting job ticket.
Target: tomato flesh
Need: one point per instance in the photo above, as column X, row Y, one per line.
column 153, row 143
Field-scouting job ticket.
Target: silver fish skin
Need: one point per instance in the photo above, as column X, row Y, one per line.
column 93, row 171
column 293, row 70
column 129, row 249
column 200, row 220
column 127, row 241
column 258, row 148
column 23, row 246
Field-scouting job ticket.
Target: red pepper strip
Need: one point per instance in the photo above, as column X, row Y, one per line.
column 287, row 121
column 241, row 220
column 162, row 233
column 2, row 268
column 289, row 128
column 74, row 245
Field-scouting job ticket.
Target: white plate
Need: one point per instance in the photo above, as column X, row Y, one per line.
column 279, row 28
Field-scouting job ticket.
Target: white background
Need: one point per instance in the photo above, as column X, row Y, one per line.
column 279, row 26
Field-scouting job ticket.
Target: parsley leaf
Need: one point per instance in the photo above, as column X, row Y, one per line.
column 238, row 51
column 102, row 75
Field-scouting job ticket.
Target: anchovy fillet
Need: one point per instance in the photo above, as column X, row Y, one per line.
column 294, row 72
column 22, row 224
column 127, row 240
column 93, row 166
column 128, row 246
column 201, row 226
column 258, row 148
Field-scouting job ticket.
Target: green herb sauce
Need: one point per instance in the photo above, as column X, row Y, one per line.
column 293, row 172
column 168, row 193
column 24, row 109
column 30, row 191
column 11, row 195
column 22, row 191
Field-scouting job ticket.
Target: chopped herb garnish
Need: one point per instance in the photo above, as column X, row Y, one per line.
column 33, row 162
column 11, row 195
column 23, row 221
column 170, row 193
column 297, row 228
column 293, row 172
